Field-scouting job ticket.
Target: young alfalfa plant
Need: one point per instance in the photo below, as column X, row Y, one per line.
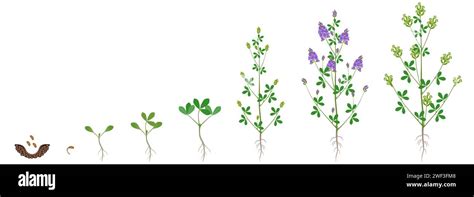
column 148, row 126
column 414, row 73
column 261, row 93
column 207, row 111
column 339, row 82
column 99, row 135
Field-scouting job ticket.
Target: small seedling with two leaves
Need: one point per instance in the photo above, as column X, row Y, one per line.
column 99, row 135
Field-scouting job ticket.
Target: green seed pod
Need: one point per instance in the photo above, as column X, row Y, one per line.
column 427, row 99
column 389, row 79
column 457, row 80
column 282, row 104
column 397, row 51
column 258, row 30
column 248, row 45
column 407, row 20
column 242, row 74
column 266, row 47
column 420, row 9
column 415, row 51
column 275, row 82
column 446, row 58
column 432, row 22
column 239, row 103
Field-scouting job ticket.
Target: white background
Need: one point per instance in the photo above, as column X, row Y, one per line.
column 67, row 64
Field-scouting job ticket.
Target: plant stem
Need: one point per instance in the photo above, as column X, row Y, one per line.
column 203, row 146
column 421, row 97
column 149, row 149
column 101, row 151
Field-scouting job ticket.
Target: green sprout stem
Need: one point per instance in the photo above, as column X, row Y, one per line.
column 102, row 151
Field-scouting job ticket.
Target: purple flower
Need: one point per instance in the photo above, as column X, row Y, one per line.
column 366, row 87
column 334, row 13
column 323, row 32
column 332, row 65
column 358, row 64
column 312, row 56
column 344, row 37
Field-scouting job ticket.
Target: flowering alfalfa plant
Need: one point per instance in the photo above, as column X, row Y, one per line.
column 203, row 109
column 263, row 93
column 148, row 127
column 337, row 78
column 414, row 73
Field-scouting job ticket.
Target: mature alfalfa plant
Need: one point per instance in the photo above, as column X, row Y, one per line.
column 414, row 72
column 338, row 80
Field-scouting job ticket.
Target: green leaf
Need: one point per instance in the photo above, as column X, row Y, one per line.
column 403, row 95
column 151, row 115
column 189, row 108
column 88, row 128
column 440, row 115
column 277, row 121
column 109, row 128
column 182, row 110
column 206, row 110
column 196, row 103
column 406, row 76
column 144, row 116
column 216, row 110
column 135, row 126
column 243, row 120
column 349, row 90
column 353, row 119
column 151, row 123
column 439, row 78
column 272, row 97
column 205, row 103
column 316, row 112
column 400, row 107
column 157, row 125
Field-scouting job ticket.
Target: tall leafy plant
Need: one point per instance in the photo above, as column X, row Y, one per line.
column 262, row 93
column 336, row 79
column 414, row 73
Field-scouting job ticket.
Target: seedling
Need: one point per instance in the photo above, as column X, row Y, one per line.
column 336, row 79
column 102, row 151
column 206, row 110
column 149, row 126
column 261, row 93
column 414, row 72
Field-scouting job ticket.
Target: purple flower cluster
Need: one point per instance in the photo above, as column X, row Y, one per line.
column 344, row 37
column 323, row 32
column 312, row 56
column 358, row 64
column 332, row 65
